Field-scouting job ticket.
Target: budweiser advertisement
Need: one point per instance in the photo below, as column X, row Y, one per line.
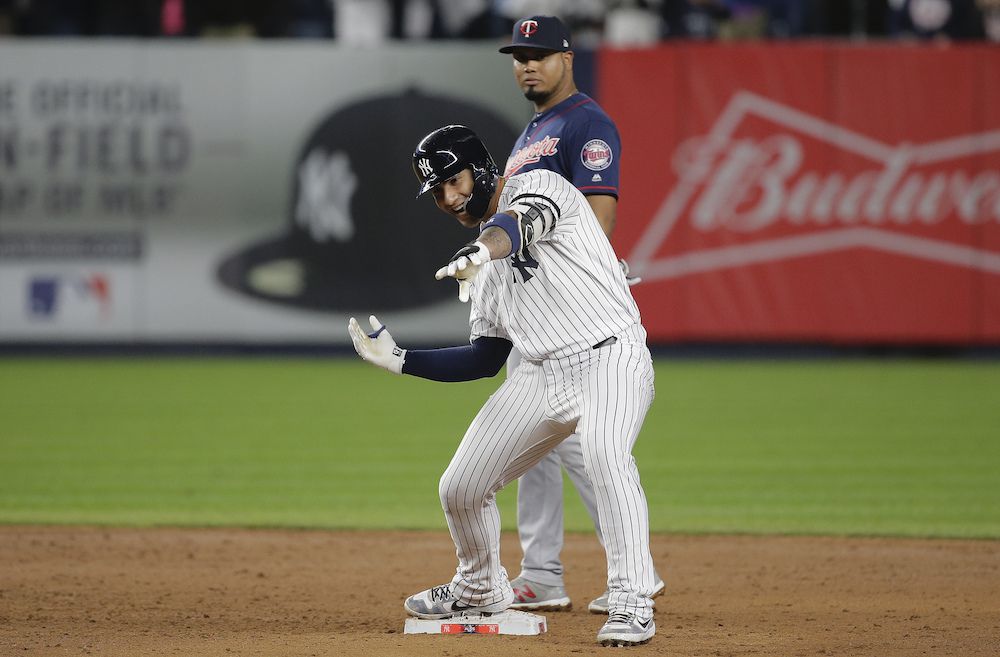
column 817, row 193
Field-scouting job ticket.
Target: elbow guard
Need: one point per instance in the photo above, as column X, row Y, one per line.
column 536, row 219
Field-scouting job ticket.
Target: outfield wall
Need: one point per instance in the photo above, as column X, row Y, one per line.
column 261, row 193
column 233, row 192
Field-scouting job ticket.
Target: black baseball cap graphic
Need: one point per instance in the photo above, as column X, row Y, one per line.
column 356, row 237
column 542, row 32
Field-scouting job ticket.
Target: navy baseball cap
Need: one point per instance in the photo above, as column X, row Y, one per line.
column 542, row 32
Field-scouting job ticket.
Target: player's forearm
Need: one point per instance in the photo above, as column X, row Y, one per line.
column 606, row 209
column 481, row 359
column 498, row 241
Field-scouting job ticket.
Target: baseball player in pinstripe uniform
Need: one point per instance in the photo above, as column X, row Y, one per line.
column 571, row 135
column 542, row 277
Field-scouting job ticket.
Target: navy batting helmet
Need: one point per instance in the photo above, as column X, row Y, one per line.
column 446, row 152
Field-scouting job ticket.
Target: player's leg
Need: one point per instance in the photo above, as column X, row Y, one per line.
column 540, row 521
column 539, row 586
column 540, row 510
column 616, row 391
column 540, row 526
column 509, row 435
column 570, row 453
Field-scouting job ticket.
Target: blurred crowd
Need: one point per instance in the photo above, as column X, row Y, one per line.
column 614, row 22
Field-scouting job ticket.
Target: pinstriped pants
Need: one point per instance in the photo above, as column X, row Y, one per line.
column 540, row 505
column 602, row 395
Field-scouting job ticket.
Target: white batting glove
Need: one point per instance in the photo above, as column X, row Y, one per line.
column 377, row 347
column 631, row 280
column 464, row 266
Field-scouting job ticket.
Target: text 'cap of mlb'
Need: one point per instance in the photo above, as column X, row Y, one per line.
column 542, row 32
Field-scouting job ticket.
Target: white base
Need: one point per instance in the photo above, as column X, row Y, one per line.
column 507, row 622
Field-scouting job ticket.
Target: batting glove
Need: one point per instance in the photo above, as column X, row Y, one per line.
column 464, row 266
column 631, row 280
column 377, row 347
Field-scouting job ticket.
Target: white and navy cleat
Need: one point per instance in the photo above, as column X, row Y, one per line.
column 440, row 602
column 625, row 629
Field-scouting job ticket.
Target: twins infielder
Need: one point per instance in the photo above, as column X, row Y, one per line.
column 571, row 135
column 542, row 277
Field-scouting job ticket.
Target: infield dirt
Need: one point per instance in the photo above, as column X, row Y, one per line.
column 200, row 592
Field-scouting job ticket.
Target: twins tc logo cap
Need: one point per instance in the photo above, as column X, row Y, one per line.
column 356, row 237
column 542, row 32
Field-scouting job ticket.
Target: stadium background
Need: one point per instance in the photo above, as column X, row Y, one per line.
column 183, row 229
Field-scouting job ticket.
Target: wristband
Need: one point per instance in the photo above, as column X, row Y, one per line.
column 510, row 226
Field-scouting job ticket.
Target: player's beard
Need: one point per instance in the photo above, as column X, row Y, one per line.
column 541, row 97
column 536, row 96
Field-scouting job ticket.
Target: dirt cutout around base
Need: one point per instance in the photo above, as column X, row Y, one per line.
column 219, row 592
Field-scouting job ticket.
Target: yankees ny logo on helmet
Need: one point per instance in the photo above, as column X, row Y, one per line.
column 425, row 167
column 529, row 27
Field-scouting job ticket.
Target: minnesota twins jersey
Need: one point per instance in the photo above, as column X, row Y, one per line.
column 564, row 291
column 577, row 140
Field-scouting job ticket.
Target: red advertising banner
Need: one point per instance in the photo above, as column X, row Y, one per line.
column 810, row 192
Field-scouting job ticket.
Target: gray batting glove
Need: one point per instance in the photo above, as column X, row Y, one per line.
column 377, row 347
column 464, row 266
column 631, row 280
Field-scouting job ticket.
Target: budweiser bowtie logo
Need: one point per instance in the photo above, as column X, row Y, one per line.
column 770, row 182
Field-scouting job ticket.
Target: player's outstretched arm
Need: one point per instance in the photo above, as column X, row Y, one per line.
column 483, row 358
column 377, row 347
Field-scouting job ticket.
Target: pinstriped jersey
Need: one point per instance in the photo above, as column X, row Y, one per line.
column 564, row 291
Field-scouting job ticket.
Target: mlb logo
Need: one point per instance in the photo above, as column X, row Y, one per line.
column 69, row 297
column 42, row 296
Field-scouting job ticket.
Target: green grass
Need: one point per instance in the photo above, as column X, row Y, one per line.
column 832, row 447
column 856, row 447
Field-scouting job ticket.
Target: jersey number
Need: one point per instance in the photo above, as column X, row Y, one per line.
column 523, row 262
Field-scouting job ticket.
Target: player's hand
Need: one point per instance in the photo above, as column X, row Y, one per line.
column 464, row 266
column 631, row 280
column 377, row 347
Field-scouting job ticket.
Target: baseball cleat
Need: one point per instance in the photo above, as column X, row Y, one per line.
column 440, row 602
column 599, row 605
column 532, row 596
column 624, row 629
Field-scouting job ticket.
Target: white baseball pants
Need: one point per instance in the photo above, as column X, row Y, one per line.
column 540, row 504
column 601, row 394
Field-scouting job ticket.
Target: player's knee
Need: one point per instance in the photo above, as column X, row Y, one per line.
column 459, row 494
column 604, row 456
column 453, row 492
column 592, row 453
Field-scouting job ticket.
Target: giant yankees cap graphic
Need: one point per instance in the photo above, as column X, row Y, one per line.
column 355, row 236
column 542, row 32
